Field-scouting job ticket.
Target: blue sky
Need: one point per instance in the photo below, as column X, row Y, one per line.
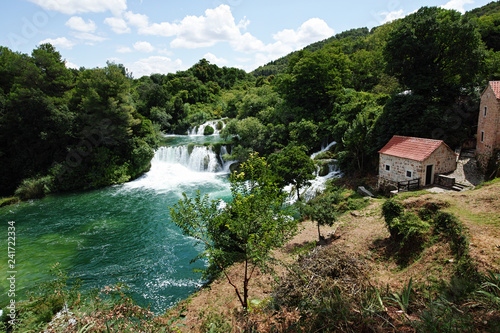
column 149, row 36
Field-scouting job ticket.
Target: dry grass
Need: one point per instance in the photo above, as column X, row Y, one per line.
column 362, row 235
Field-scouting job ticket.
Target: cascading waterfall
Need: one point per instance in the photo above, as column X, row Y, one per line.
column 199, row 130
column 323, row 149
column 201, row 158
column 225, row 164
column 317, row 184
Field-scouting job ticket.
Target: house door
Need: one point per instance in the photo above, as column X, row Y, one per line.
column 428, row 175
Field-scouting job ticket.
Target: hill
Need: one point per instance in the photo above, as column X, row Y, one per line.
column 279, row 66
column 362, row 237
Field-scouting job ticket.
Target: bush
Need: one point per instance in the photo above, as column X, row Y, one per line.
column 209, row 130
column 33, row 188
column 409, row 229
column 391, row 209
column 449, row 225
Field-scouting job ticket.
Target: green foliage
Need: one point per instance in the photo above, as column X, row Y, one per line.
column 214, row 322
column 449, row 225
column 323, row 209
column 293, row 167
column 402, row 299
column 441, row 315
column 209, row 130
column 391, row 209
column 247, row 229
column 34, row 188
column 490, row 289
column 45, row 302
column 407, row 230
column 435, row 53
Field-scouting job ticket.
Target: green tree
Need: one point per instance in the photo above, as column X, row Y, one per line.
column 322, row 209
column 435, row 53
column 315, row 82
column 293, row 166
column 254, row 223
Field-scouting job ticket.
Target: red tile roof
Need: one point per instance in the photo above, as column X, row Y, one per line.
column 495, row 85
column 417, row 149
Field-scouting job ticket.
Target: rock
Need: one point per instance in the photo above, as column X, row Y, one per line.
column 364, row 192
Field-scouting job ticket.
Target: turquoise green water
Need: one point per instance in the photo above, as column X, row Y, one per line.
column 117, row 234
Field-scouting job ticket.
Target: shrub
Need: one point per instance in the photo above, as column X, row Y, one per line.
column 209, row 130
column 409, row 229
column 33, row 188
column 449, row 225
column 391, row 209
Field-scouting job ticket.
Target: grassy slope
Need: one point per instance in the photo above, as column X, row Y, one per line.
column 364, row 235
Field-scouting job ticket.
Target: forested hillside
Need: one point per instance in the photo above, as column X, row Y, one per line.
column 63, row 129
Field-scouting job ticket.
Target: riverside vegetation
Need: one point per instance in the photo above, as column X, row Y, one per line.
column 63, row 129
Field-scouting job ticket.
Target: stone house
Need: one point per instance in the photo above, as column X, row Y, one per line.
column 488, row 125
column 407, row 158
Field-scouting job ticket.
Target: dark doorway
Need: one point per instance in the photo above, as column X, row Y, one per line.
column 428, row 175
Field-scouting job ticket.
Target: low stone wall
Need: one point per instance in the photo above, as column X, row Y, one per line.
column 445, row 181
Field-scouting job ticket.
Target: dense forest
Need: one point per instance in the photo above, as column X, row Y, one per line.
column 63, row 129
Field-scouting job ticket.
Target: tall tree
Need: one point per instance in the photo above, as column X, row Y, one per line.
column 293, row 166
column 435, row 53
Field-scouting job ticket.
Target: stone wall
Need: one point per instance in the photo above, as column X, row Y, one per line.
column 398, row 168
column 443, row 159
column 489, row 125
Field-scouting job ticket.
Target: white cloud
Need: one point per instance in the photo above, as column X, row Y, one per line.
column 214, row 60
column 216, row 26
column 71, row 65
column 247, row 43
column 457, row 5
column 391, row 16
column 124, row 49
column 118, row 25
column 77, row 23
column 71, row 7
column 89, row 37
column 139, row 21
column 155, row 64
column 313, row 30
column 61, row 42
column 144, row 47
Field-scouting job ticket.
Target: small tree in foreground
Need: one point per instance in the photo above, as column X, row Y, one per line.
column 322, row 210
column 245, row 230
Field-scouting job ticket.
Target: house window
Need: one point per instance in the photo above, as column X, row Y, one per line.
column 482, row 136
column 409, row 174
column 485, row 110
column 387, row 167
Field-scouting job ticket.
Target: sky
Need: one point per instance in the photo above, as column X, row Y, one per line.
column 151, row 36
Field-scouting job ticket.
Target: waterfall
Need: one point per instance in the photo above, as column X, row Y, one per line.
column 201, row 159
column 199, row 130
column 323, row 149
column 225, row 165
column 172, row 167
column 318, row 184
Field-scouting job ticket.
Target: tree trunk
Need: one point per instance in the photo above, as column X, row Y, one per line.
column 245, row 287
column 319, row 233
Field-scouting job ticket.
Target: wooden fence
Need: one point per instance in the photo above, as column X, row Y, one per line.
column 409, row 185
